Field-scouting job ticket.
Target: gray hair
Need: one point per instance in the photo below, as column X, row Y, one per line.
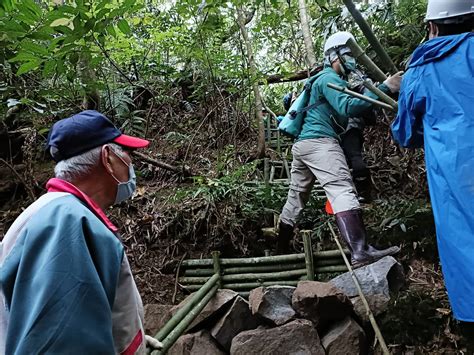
column 81, row 165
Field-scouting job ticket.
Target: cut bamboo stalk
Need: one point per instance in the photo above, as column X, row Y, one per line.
column 217, row 266
column 262, row 268
column 374, row 324
column 360, row 96
column 364, row 59
column 264, row 276
column 308, row 251
column 369, row 34
column 244, row 294
column 262, row 259
column 252, row 285
column 181, row 314
column 180, row 328
column 383, row 96
column 282, row 275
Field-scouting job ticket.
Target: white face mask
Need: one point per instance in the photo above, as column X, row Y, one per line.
column 125, row 189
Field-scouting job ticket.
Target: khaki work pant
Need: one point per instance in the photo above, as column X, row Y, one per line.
column 322, row 159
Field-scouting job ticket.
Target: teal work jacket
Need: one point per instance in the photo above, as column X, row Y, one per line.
column 329, row 119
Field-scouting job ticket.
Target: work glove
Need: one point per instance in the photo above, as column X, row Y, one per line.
column 393, row 82
column 152, row 343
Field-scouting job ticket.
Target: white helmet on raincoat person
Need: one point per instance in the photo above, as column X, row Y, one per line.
column 449, row 11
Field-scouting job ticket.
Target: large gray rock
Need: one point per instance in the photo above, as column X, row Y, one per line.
column 237, row 319
column 200, row 343
column 217, row 305
column 378, row 278
column 295, row 338
column 156, row 316
column 273, row 303
column 320, row 302
column 377, row 303
column 345, row 337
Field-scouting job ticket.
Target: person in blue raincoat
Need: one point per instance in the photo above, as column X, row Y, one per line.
column 436, row 110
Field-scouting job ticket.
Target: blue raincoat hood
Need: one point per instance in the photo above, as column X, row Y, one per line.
column 437, row 48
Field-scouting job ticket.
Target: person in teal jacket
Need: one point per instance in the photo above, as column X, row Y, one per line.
column 436, row 111
column 317, row 154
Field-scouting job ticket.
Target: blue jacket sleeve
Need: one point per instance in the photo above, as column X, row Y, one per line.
column 64, row 288
column 345, row 105
column 407, row 128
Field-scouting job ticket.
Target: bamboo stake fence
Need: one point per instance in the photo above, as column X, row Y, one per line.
column 206, row 276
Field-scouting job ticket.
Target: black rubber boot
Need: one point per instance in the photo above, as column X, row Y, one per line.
column 352, row 229
column 285, row 236
column 363, row 186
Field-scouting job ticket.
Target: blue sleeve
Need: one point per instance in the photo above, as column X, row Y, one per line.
column 407, row 129
column 64, row 287
column 344, row 104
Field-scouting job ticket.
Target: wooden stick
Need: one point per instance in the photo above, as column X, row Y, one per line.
column 360, row 96
column 162, row 165
column 377, row 331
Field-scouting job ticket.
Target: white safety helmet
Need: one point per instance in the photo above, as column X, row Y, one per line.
column 338, row 39
column 446, row 10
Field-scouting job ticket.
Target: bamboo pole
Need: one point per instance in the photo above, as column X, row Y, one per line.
column 181, row 314
column 185, row 322
column 377, row 331
column 360, row 96
column 383, row 96
column 244, row 294
column 265, row 276
column 217, row 266
column 308, row 251
column 369, row 34
column 364, row 59
column 261, row 259
column 248, row 277
column 251, row 285
column 263, row 268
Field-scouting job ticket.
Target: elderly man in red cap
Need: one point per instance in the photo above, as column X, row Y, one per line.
column 66, row 284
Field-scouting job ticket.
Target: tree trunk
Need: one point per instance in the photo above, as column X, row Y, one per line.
column 305, row 27
column 296, row 76
column 253, row 74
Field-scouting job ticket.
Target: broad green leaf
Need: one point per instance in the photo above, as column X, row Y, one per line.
column 61, row 22
column 111, row 30
column 23, row 57
column 124, row 27
column 33, row 47
column 28, row 66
